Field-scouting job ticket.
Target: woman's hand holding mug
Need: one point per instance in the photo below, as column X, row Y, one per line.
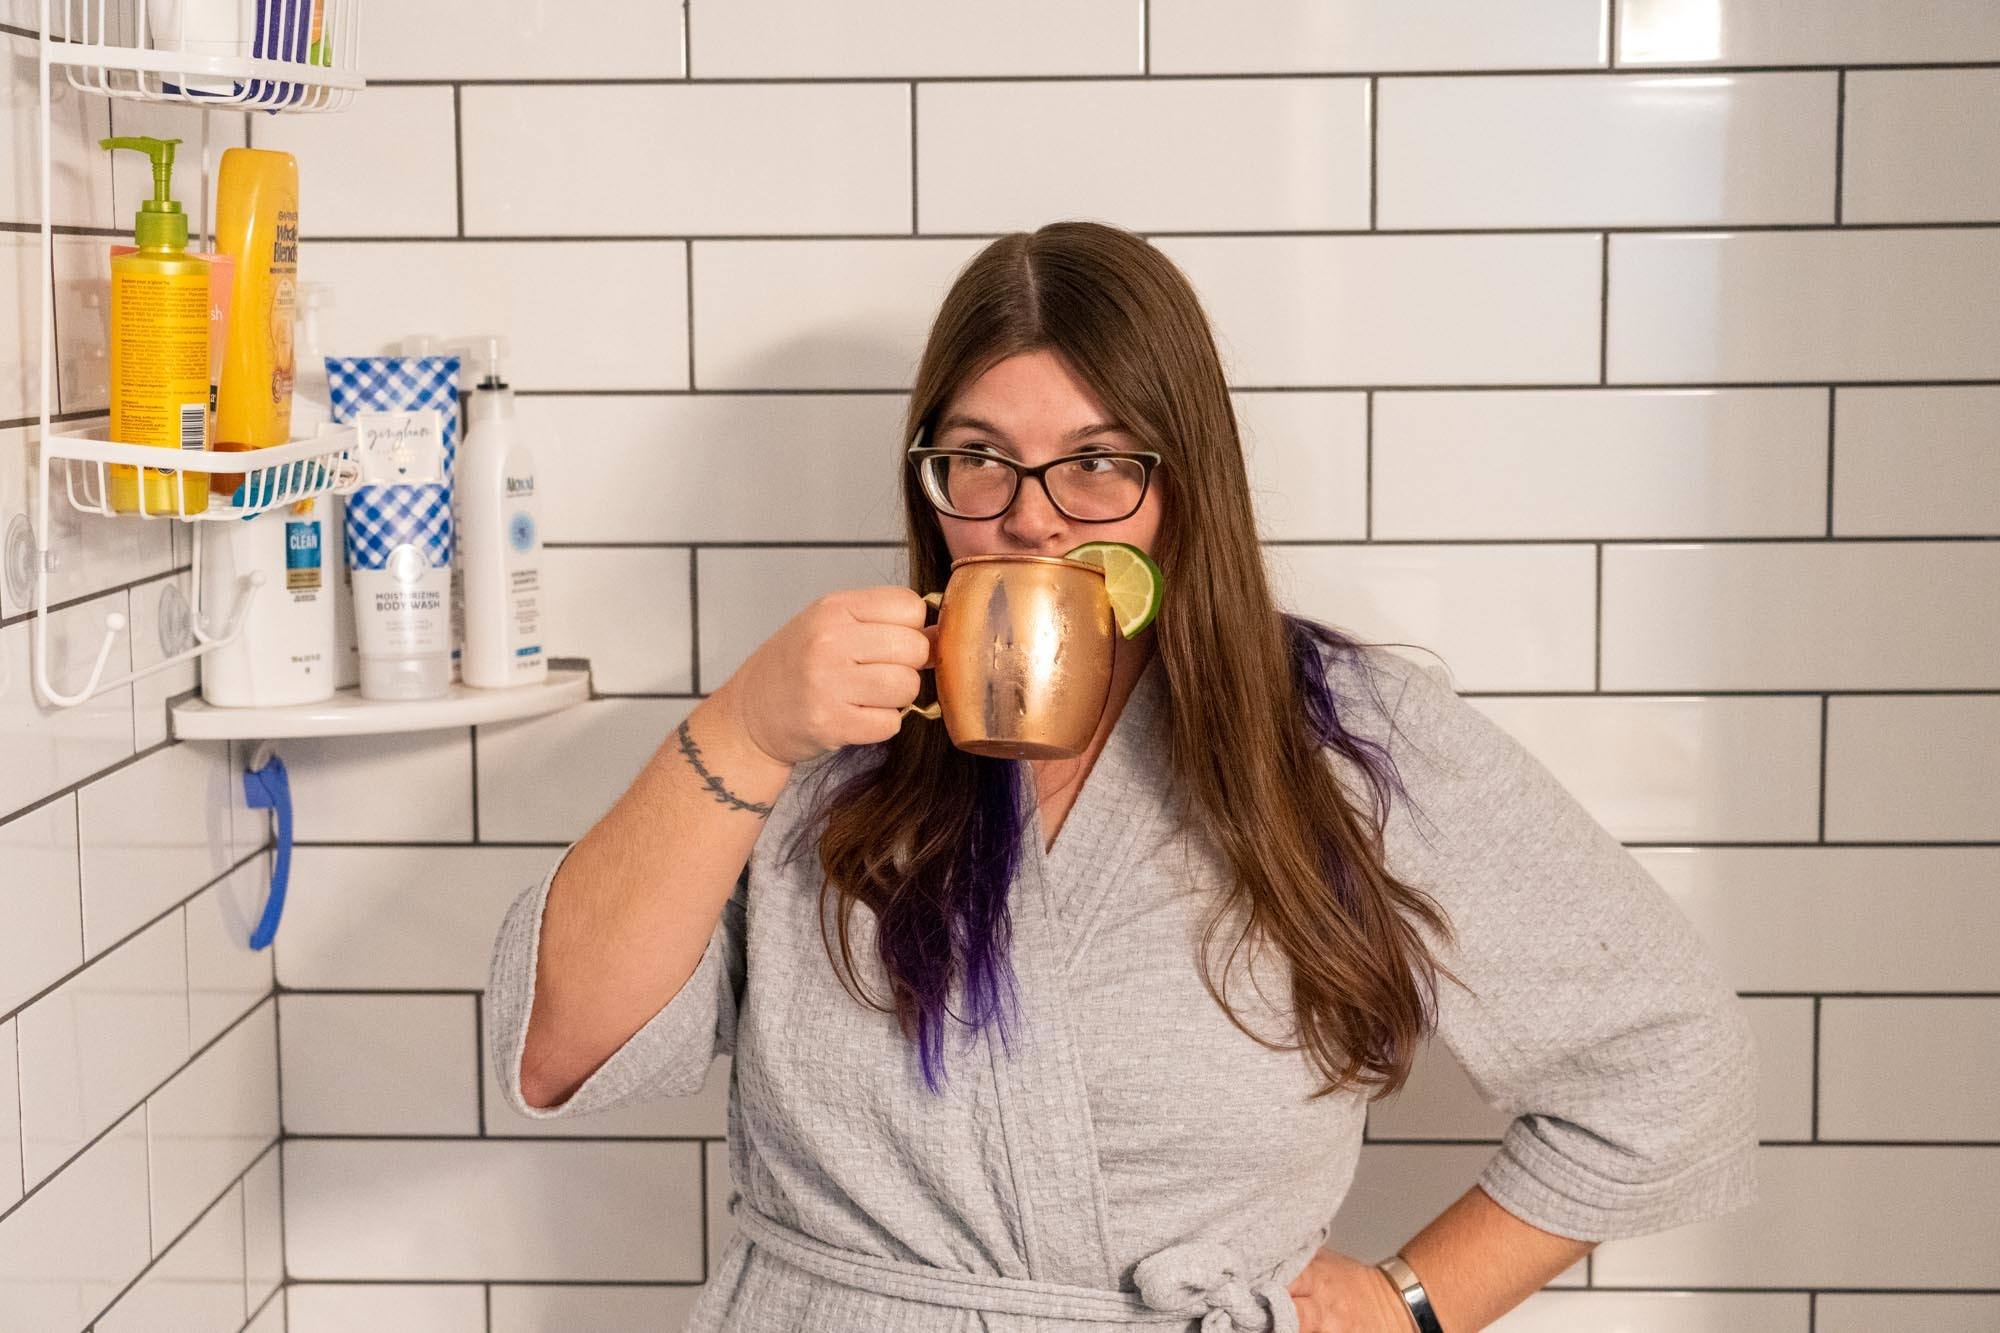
column 840, row 672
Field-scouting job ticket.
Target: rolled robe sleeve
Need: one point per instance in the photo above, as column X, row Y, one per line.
column 1597, row 1016
column 668, row 1057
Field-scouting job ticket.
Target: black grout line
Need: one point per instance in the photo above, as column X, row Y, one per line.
column 635, row 1284
column 1869, row 995
column 409, row 844
column 55, row 329
column 473, row 759
column 1146, row 38
column 1812, row 1312
column 284, row 1238
column 914, row 227
column 1447, row 1141
column 68, row 229
column 427, row 993
column 486, row 1289
column 1611, row 35
column 860, row 544
column 278, row 1055
column 694, row 618
column 1374, row 153
column 1825, row 708
column 1151, row 234
column 687, row 262
column 1832, row 404
column 83, row 599
column 1368, row 466
column 82, row 940
column 687, row 42
column 55, row 419
column 20, row 1139
column 702, row 1164
column 1358, row 386
column 696, row 1139
column 458, row 153
column 1597, row 622
column 479, row 1059
column 1817, row 1001
column 1839, row 145
column 1211, row 76
column 1604, row 310
column 670, row 1284
column 1759, row 844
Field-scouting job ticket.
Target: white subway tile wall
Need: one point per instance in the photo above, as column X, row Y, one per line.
column 1641, row 359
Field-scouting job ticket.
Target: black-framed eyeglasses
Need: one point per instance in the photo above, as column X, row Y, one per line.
column 1096, row 486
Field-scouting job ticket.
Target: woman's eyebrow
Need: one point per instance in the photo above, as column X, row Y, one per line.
column 957, row 420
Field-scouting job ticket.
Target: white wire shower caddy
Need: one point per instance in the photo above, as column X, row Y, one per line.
column 282, row 56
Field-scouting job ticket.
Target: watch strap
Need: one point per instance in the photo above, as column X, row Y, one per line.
column 1415, row 1300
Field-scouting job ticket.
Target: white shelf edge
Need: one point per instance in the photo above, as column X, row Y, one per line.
column 348, row 714
column 188, row 65
column 88, row 447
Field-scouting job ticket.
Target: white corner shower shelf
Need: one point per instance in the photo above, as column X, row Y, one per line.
column 279, row 55
column 348, row 714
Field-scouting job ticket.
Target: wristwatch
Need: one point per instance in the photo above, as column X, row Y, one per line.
column 1414, row 1300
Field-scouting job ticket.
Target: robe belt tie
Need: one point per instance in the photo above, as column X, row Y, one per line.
column 1193, row 1280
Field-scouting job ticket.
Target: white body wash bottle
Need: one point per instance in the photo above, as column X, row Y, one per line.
column 500, row 541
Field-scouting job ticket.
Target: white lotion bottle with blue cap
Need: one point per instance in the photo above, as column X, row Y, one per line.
column 500, row 541
column 399, row 537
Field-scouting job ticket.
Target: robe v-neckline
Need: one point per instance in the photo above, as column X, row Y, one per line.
column 1107, row 815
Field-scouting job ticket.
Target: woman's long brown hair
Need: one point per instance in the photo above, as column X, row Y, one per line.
column 1308, row 870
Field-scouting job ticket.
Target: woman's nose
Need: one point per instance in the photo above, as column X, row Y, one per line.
column 1033, row 519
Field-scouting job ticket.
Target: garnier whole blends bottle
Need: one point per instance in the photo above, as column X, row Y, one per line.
column 499, row 540
column 159, row 347
column 257, row 225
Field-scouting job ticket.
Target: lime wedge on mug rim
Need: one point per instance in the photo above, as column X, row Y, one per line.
column 1131, row 580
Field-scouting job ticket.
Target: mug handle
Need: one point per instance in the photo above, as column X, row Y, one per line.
column 933, row 709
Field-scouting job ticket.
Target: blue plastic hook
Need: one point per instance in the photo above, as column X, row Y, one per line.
column 268, row 788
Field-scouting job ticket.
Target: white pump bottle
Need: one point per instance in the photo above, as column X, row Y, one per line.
column 499, row 540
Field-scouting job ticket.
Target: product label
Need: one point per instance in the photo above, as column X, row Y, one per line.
column 524, row 574
column 159, row 359
column 401, row 608
column 302, row 556
column 400, row 446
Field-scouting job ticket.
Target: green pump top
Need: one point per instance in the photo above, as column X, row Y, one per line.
column 160, row 224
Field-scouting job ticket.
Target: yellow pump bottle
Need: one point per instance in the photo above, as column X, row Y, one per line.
column 159, row 347
column 257, row 222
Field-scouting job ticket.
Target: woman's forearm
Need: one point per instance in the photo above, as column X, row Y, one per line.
column 1477, row 1261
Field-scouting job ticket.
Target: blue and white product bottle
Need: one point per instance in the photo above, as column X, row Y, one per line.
column 284, row 653
column 500, row 543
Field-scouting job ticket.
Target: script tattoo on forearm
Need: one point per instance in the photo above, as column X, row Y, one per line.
column 715, row 787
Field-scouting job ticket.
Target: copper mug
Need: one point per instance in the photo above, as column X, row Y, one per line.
column 1023, row 659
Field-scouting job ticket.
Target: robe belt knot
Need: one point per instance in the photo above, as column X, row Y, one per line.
column 1206, row 1279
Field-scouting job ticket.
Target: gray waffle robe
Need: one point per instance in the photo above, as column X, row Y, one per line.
column 1136, row 1159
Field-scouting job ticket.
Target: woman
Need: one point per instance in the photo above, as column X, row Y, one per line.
column 1058, row 1045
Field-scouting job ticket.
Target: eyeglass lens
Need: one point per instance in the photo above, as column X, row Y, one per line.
column 1087, row 488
